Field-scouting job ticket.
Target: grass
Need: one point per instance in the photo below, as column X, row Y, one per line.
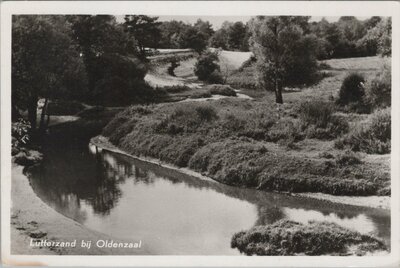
column 315, row 238
column 230, row 140
column 371, row 136
column 223, row 90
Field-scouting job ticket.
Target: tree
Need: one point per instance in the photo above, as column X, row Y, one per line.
column 194, row 39
column 99, row 35
column 236, row 36
column 220, row 37
column 207, row 68
column 115, row 72
column 145, row 30
column 204, row 27
column 286, row 56
column 171, row 32
column 378, row 39
column 45, row 64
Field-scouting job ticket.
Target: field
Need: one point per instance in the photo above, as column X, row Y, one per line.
column 255, row 143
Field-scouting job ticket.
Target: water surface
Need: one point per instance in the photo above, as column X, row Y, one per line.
column 173, row 213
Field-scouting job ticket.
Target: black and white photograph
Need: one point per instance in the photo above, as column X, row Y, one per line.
column 171, row 134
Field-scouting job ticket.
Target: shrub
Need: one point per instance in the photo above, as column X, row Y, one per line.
column 318, row 120
column 200, row 95
column 378, row 91
column 286, row 130
column 20, row 133
column 206, row 67
column 176, row 88
column 286, row 237
column 352, row 89
column 174, row 63
column 224, row 90
column 348, row 158
column 215, row 78
column 372, row 136
column 316, row 113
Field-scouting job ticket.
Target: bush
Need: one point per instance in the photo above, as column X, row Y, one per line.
column 352, row 89
column 316, row 113
column 175, row 88
column 373, row 136
column 200, row 95
column 318, row 120
column 174, row 63
column 207, row 68
column 20, row 133
column 215, row 78
column 286, row 237
column 224, row 90
column 348, row 158
column 378, row 91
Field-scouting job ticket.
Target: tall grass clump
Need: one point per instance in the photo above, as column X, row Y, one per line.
column 319, row 121
column 378, row 90
column 286, row 237
column 372, row 136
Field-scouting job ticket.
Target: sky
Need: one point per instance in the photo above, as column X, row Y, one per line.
column 217, row 21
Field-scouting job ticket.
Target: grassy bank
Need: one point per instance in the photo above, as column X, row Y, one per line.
column 316, row 238
column 251, row 144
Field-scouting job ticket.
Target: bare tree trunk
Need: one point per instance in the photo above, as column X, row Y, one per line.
column 278, row 92
column 42, row 116
column 32, row 113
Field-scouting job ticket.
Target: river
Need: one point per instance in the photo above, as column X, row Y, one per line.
column 171, row 212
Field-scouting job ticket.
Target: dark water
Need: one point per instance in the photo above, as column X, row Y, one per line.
column 170, row 212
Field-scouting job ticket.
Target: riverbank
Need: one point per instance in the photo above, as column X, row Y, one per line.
column 31, row 218
column 382, row 202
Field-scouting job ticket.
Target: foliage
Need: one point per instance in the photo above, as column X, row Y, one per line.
column 207, row 68
column 348, row 158
column 318, row 120
column 116, row 75
column 231, row 145
column 286, row 237
column 194, row 39
column 45, row 63
column 174, row 63
column 286, row 55
column 378, row 38
column 232, row 36
column 378, row 91
column 372, row 136
column 176, row 88
column 20, row 133
column 145, row 30
column 223, row 90
column 352, row 89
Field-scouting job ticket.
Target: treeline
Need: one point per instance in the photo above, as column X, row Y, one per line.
column 95, row 59
column 348, row 37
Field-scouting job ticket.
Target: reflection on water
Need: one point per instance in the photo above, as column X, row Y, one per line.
column 174, row 213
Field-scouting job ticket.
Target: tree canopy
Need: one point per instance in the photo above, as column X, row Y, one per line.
column 286, row 55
